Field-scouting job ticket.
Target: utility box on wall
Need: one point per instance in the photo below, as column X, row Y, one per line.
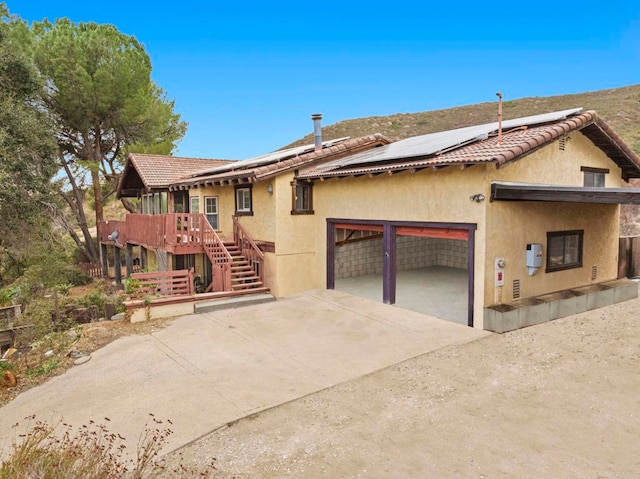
column 534, row 255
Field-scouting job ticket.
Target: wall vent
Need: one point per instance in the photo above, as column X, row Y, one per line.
column 516, row 289
column 594, row 273
column 562, row 143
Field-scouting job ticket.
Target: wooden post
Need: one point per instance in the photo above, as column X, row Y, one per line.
column 190, row 279
column 624, row 257
column 143, row 258
column 105, row 260
column 634, row 269
column 389, row 265
column 331, row 251
column 116, row 266
column 129, row 259
column 109, row 310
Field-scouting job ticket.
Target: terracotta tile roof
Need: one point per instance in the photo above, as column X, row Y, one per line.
column 514, row 145
column 161, row 171
column 343, row 148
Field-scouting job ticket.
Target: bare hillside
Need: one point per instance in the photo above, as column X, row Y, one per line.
column 620, row 107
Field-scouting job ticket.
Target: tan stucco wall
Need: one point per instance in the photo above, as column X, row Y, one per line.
column 299, row 262
column 511, row 225
column 226, row 206
column 428, row 195
column 551, row 165
column 261, row 226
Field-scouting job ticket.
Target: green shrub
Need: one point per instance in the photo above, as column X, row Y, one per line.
column 44, row 368
column 95, row 298
column 41, row 313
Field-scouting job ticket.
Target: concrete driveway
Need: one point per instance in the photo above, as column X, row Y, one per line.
column 204, row 371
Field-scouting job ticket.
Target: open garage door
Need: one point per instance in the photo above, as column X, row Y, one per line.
column 424, row 267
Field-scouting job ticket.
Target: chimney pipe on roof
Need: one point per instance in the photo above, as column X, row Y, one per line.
column 499, row 117
column 317, row 130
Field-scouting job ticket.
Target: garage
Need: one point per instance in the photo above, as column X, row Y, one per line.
column 419, row 266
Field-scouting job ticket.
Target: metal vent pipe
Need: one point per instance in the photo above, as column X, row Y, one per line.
column 317, row 130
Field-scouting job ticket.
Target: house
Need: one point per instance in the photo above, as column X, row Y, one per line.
column 508, row 224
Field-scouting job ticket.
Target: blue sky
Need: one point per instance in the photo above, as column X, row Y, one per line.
column 247, row 75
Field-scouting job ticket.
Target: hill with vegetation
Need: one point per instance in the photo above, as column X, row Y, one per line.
column 619, row 107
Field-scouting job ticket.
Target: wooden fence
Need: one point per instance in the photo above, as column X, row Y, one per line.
column 629, row 257
column 164, row 283
column 92, row 269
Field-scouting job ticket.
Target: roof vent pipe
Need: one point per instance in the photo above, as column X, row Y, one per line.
column 499, row 117
column 317, row 130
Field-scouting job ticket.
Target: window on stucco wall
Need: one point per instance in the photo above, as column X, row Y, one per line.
column 594, row 177
column 564, row 250
column 302, row 198
column 244, row 204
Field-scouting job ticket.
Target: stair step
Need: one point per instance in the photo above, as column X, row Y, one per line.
column 244, row 279
column 257, row 296
column 236, row 287
column 244, row 267
column 243, row 274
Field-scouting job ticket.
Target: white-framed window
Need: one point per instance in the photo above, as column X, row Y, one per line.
column 243, row 201
column 211, row 210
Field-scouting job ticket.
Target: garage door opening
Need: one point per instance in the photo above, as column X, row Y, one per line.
column 432, row 276
column 422, row 267
column 359, row 261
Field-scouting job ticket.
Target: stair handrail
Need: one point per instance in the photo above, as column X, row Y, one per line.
column 239, row 233
column 252, row 252
column 217, row 252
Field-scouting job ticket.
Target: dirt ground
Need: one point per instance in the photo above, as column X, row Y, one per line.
column 86, row 339
column 559, row 400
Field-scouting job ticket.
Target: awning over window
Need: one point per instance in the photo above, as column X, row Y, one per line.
column 503, row 191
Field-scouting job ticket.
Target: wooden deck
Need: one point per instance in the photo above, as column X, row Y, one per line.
column 185, row 233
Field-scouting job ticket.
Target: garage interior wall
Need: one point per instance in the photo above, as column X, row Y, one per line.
column 364, row 257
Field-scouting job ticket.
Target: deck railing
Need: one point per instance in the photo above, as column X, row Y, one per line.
column 249, row 248
column 164, row 283
column 173, row 230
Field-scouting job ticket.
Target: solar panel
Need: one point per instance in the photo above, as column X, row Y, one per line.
column 432, row 143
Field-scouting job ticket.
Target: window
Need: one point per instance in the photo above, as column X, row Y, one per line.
column 180, row 199
column 154, row 203
column 302, row 201
column 594, row 177
column 211, row 210
column 195, row 204
column 564, row 250
column 243, row 201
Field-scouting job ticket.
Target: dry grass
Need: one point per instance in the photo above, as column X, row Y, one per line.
column 620, row 107
column 91, row 452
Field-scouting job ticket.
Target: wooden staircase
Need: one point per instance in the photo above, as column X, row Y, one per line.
column 243, row 275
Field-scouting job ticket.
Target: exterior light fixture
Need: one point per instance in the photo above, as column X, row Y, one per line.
column 477, row 197
column 270, row 188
